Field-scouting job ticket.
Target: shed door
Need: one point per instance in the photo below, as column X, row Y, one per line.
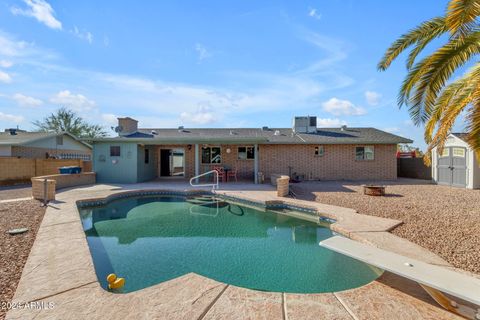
column 452, row 167
column 444, row 167
column 459, row 167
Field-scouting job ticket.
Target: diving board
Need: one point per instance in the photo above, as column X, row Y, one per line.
column 430, row 277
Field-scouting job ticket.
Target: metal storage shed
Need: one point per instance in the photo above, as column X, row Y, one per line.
column 457, row 166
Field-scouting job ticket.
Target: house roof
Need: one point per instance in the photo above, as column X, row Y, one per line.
column 258, row 135
column 22, row 138
column 461, row 135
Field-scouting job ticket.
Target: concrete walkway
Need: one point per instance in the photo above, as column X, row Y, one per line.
column 59, row 275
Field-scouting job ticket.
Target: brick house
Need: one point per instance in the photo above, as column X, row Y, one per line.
column 303, row 152
column 42, row 145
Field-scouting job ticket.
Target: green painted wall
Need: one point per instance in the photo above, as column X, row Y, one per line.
column 125, row 168
column 145, row 171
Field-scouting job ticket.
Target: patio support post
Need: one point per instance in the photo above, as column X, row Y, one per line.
column 255, row 163
column 197, row 162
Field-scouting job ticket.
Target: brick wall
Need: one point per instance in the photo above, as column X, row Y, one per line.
column 337, row 163
column 23, row 169
column 50, row 166
column 13, row 169
column 59, row 181
column 40, row 153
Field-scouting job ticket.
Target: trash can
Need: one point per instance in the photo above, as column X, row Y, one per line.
column 70, row 170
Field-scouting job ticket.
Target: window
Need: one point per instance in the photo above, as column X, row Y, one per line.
column 114, row 151
column 445, row 153
column 246, row 153
column 458, row 152
column 319, row 151
column 364, row 153
column 211, row 155
column 59, row 140
column 147, row 155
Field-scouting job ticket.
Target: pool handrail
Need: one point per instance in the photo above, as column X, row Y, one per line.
column 213, row 185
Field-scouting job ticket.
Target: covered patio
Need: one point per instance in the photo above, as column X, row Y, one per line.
column 237, row 161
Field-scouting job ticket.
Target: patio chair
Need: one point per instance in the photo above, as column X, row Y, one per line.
column 232, row 174
column 221, row 173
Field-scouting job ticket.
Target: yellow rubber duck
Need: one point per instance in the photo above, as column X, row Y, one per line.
column 114, row 282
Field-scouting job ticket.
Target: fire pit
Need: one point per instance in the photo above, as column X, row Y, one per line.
column 372, row 190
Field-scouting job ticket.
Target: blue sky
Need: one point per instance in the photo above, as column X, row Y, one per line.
column 206, row 64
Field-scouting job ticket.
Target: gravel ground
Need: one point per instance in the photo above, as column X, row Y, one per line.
column 15, row 192
column 443, row 219
column 14, row 250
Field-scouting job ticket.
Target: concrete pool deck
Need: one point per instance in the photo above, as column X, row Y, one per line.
column 60, row 271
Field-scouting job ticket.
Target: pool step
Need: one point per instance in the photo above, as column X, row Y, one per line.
column 202, row 199
column 206, row 201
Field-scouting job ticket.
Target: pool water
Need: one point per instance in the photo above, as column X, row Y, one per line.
column 154, row 239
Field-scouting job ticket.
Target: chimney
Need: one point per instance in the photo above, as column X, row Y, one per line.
column 126, row 126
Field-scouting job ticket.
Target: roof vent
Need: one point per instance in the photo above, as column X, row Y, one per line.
column 276, row 133
column 343, row 128
column 265, row 128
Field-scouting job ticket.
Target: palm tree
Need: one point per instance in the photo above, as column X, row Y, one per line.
column 65, row 120
column 432, row 96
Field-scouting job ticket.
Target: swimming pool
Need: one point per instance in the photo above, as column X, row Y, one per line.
column 152, row 239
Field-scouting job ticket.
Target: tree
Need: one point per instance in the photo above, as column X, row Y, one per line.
column 64, row 120
column 432, row 96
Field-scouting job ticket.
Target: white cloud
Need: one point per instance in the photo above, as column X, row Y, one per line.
column 339, row 107
column 26, row 101
column 202, row 52
column 110, row 119
column 40, row 10
column 372, row 97
column 84, row 35
column 77, row 102
column 201, row 117
column 6, row 63
column 5, row 77
column 106, row 41
column 329, row 123
column 312, row 12
column 333, row 49
column 10, row 47
column 11, row 118
column 13, row 51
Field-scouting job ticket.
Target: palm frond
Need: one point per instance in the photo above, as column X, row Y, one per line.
column 473, row 127
column 450, row 113
column 436, row 32
column 433, row 73
column 461, row 16
column 422, row 33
